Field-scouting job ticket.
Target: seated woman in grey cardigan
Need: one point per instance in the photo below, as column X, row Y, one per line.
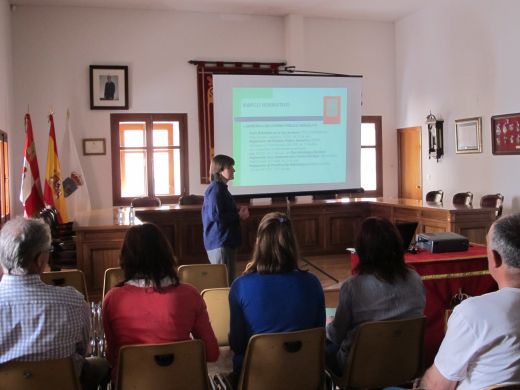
column 382, row 287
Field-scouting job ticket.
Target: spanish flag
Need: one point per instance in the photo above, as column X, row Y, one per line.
column 53, row 188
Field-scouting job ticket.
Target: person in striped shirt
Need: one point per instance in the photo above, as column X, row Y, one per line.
column 39, row 321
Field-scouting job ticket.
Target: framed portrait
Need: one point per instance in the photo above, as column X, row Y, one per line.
column 468, row 135
column 505, row 134
column 94, row 147
column 108, row 87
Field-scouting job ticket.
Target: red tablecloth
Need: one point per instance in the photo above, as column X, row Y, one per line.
column 444, row 275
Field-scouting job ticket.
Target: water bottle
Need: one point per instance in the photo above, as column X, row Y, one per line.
column 131, row 216
column 120, row 216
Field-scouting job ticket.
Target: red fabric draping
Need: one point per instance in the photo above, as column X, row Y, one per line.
column 31, row 192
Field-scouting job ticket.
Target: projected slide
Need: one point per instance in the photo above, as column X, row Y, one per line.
column 289, row 135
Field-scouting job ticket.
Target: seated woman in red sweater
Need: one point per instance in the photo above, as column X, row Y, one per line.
column 151, row 305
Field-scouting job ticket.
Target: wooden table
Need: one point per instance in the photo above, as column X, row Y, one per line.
column 322, row 227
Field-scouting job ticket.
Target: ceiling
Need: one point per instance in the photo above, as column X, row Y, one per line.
column 378, row 10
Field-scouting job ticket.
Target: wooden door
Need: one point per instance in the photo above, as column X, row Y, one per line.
column 409, row 158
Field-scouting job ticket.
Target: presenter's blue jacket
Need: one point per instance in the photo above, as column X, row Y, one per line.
column 220, row 218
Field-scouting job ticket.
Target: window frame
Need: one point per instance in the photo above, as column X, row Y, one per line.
column 5, row 206
column 377, row 120
column 148, row 119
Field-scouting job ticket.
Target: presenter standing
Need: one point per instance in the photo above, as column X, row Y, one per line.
column 220, row 215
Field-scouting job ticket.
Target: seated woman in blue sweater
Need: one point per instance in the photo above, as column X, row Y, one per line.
column 273, row 295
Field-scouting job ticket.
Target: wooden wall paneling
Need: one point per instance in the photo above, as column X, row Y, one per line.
column 98, row 250
column 191, row 241
column 307, row 230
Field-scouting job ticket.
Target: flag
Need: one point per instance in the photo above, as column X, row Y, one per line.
column 31, row 191
column 75, row 188
column 53, row 194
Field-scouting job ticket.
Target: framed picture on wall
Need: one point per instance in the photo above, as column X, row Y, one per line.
column 468, row 135
column 505, row 133
column 94, row 147
column 108, row 87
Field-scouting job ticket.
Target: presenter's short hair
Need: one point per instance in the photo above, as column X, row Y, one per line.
column 218, row 164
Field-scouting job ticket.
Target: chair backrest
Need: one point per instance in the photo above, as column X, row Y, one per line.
column 204, row 276
column 180, row 365
column 463, row 199
column 73, row 277
column 384, row 353
column 113, row 276
column 186, row 200
column 495, row 201
column 435, row 196
column 146, row 201
column 217, row 303
column 503, row 386
column 292, row 360
column 56, row 374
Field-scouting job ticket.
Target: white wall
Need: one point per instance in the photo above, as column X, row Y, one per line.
column 461, row 61
column 367, row 49
column 6, row 89
column 53, row 47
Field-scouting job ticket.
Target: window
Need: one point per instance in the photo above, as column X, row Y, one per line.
column 149, row 156
column 371, row 156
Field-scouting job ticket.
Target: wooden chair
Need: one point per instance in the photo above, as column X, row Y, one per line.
column 463, row 199
column 146, row 201
column 217, row 303
column 494, row 201
column 186, row 200
column 204, row 276
column 174, row 366
column 435, row 196
column 113, row 276
column 384, row 353
column 58, row 374
column 73, row 277
column 280, row 361
column 324, row 196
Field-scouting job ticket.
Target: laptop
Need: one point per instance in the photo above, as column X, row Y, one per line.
column 407, row 231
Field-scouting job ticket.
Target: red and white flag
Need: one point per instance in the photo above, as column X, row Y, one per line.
column 31, row 191
column 75, row 188
column 53, row 194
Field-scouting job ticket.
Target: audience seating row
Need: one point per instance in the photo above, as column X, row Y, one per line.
column 384, row 353
column 291, row 360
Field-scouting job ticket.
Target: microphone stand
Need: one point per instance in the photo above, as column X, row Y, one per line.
column 308, row 262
